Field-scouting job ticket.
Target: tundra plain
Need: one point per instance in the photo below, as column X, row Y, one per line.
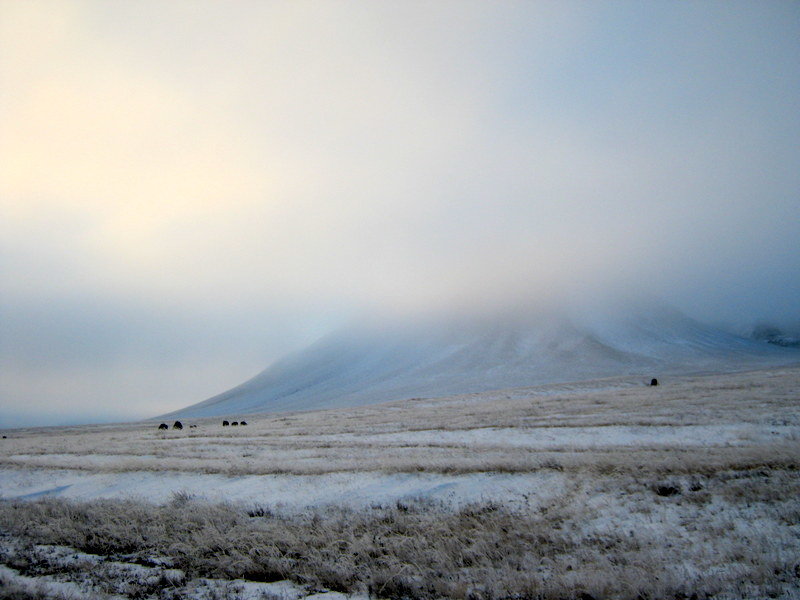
column 607, row 488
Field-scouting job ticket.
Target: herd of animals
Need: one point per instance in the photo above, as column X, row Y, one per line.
column 179, row 425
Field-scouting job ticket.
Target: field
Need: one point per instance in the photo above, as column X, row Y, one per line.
column 599, row 489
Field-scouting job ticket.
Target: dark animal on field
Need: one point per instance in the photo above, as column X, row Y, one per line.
column 177, row 425
column 234, row 424
column 5, row 437
column 666, row 489
column 654, row 381
column 163, row 426
column 243, row 423
column 192, row 426
column 225, row 423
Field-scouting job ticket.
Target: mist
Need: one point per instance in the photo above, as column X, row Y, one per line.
column 189, row 192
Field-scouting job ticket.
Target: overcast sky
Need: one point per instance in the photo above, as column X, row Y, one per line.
column 188, row 190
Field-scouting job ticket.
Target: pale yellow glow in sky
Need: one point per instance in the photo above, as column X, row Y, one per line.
column 105, row 142
column 230, row 159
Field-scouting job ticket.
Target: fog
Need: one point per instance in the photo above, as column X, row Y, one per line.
column 190, row 191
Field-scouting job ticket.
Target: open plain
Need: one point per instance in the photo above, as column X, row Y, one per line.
column 607, row 488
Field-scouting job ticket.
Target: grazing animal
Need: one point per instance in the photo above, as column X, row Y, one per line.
column 177, row 425
column 234, row 424
column 163, row 426
column 192, row 426
column 243, row 423
column 667, row 489
column 225, row 423
column 654, row 381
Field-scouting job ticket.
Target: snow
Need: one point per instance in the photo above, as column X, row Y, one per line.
column 498, row 445
column 47, row 585
column 361, row 488
column 119, row 571
column 598, row 448
column 541, row 438
column 365, row 365
column 290, row 491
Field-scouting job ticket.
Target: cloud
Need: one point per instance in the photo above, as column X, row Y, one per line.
column 235, row 159
column 65, row 358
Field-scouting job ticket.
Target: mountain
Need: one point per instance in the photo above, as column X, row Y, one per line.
column 377, row 362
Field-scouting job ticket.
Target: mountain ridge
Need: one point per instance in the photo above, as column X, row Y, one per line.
column 378, row 362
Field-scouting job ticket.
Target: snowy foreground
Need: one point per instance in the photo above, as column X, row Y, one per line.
column 600, row 489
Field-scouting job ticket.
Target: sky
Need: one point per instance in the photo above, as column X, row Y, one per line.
column 190, row 190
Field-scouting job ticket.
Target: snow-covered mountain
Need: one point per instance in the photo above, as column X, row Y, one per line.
column 377, row 362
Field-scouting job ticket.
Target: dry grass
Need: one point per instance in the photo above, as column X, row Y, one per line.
column 731, row 535
column 756, row 412
column 642, row 509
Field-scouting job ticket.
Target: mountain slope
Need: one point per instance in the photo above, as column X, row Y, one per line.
column 375, row 363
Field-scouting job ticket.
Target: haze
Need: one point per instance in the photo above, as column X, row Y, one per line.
column 190, row 190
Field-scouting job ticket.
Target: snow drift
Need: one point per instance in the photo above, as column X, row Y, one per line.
column 378, row 362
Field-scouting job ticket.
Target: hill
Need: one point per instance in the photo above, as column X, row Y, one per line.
column 375, row 361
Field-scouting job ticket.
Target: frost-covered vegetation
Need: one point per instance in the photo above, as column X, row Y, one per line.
column 606, row 489
column 731, row 535
column 739, row 420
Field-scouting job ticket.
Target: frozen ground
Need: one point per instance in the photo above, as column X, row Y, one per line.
column 588, row 488
column 122, row 578
column 284, row 491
